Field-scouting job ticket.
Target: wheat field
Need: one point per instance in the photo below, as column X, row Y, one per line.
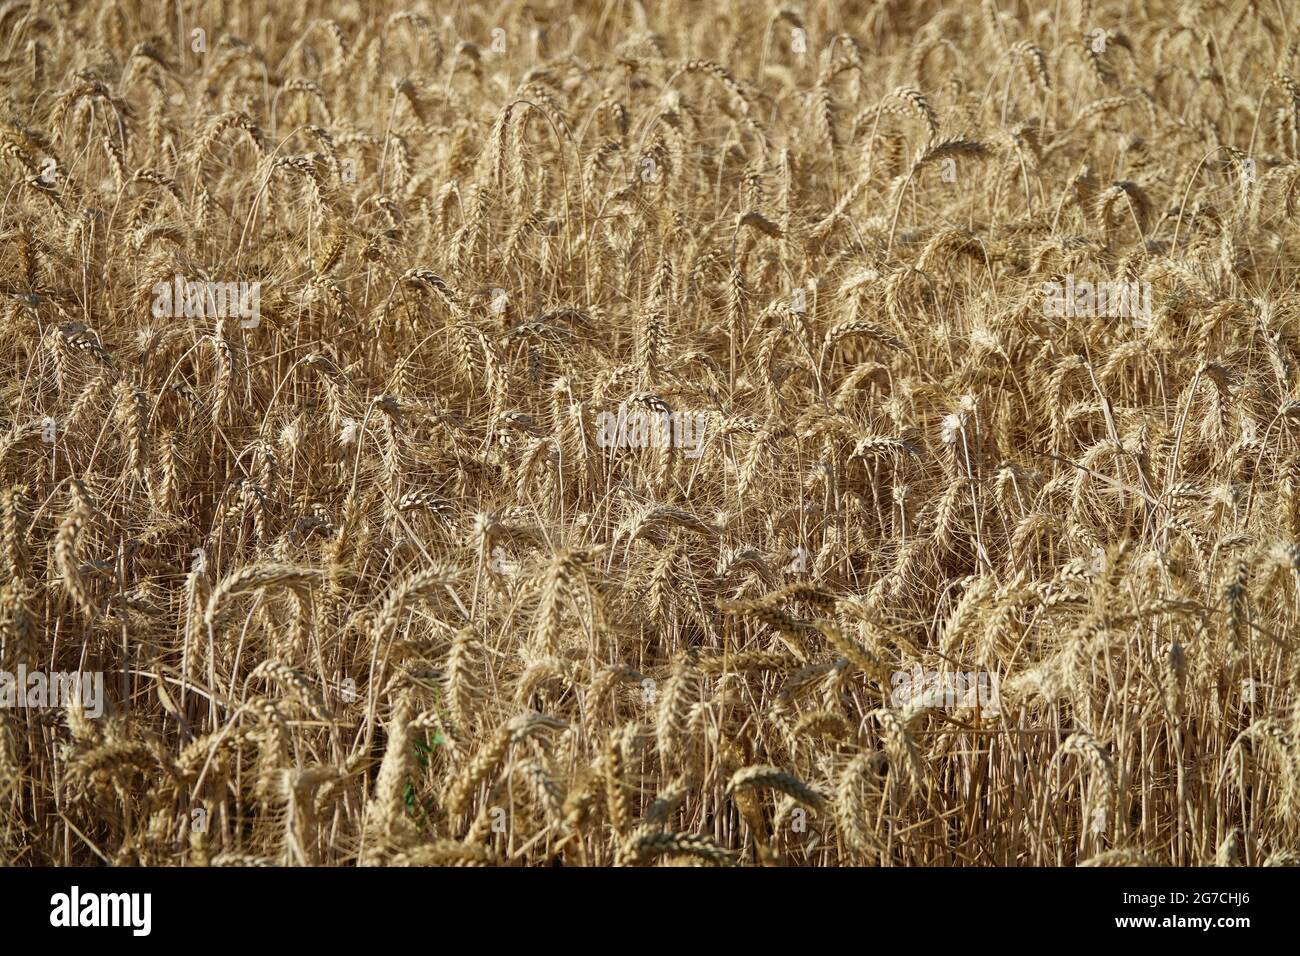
column 591, row 434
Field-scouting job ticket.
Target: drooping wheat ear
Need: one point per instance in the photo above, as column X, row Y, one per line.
column 680, row 692
column 332, row 254
column 767, row 777
column 198, row 588
column 386, row 826
column 677, row 517
column 19, row 436
column 112, row 766
column 14, row 508
column 1135, row 195
column 226, row 121
column 1098, row 66
column 719, row 73
column 642, row 848
column 947, row 243
column 851, row 327
column 512, row 733
column 1286, row 118
column 272, row 736
column 57, row 345
column 225, row 371
column 823, row 115
column 303, row 689
column 1236, row 596
column 20, row 154
column 418, row 585
column 905, row 763
column 666, row 802
column 1229, row 851
column 546, row 793
column 458, row 680
column 116, row 161
column 566, row 583
column 254, row 577
column 483, row 825
column 29, row 257
column 763, row 613
column 1099, row 108
column 446, row 853
column 18, row 624
column 859, row 783
column 17, row 620
column 616, row 786
column 602, row 685
column 1034, row 62
column 132, row 410
column 583, row 797
column 920, row 107
column 875, row 447
column 313, row 92
column 933, row 153
column 651, row 337
column 950, row 149
column 66, row 547
column 1098, row 760
column 819, row 723
column 169, row 465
